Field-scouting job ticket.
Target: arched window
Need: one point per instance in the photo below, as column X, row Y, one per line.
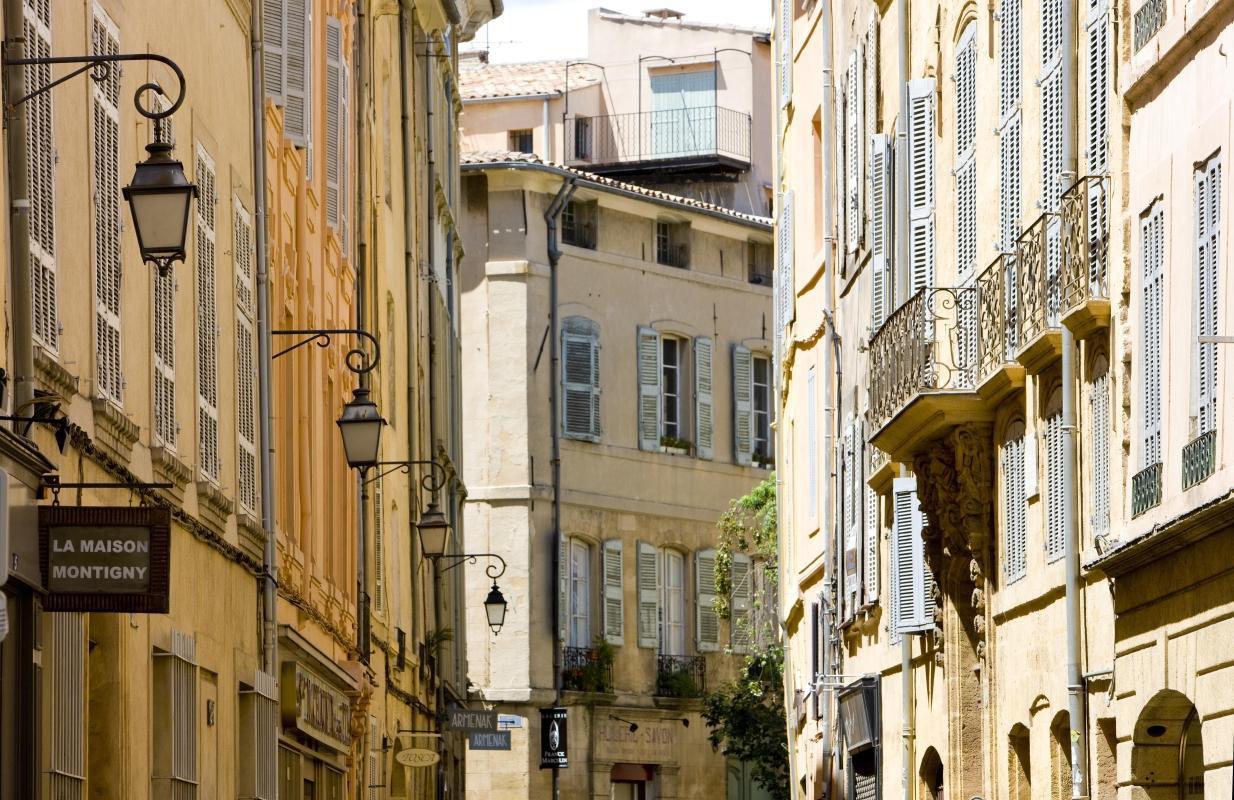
column 931, row 773
column 1019, row 765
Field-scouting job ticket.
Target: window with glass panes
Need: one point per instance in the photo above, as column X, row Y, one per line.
column 671, row 351
column 673, row 605
column 762, row 405
column 580, row 594
column 521, row 141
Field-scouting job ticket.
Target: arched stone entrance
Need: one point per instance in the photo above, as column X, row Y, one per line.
column 1167, row 759
column 931, row 773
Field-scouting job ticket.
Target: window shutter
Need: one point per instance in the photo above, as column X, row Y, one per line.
column 704, row 402
column 914, row 583
column 648, row 389
column 1098, row 88
column 785, row 290
column 334, row 121
column 743, row 387
column 870, row 110
column 1099, row 444
column 175, row 690
column 706, row 618
column 1051, row 104
column 580, row 385
column 1014, row 503
column 852, row 152
column 1009, row 96
column 41, row 174
column 648, row 595
column 563, row 587
column 105, row 95
column 297, row 71
column 67, row 674
column 740, row 620
column 274, row 48
column 921, row 183
column 614, row 599
column 786, row 52
column 880, row 225
column 872, row 533
column 965, row 143
column 849, row 520
column 379, row 548
column 1208, row 258
column 1152, row 254
column 246, row 362
column 165, row 427
column 207, row 321
column 1054, row 486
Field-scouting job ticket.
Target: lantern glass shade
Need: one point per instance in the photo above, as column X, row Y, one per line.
column 361, row 424
column 434, row 531
column 160, row 198
column 495, row 608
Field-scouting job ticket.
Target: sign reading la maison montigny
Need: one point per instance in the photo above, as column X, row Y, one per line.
column 108, row 559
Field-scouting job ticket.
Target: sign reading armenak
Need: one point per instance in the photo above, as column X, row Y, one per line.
column 108, row 559
column 313, row 707
column 461, row 719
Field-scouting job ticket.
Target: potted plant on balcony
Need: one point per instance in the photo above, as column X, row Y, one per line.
column 763, row 461
column 593, row 674
column 676, row 683
column 675, row 446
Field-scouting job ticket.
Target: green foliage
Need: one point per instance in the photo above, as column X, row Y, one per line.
column 747, row 722
column 592, row 676
column 673, row 441
column 746, row 715
column 676, row 684
column 434, row 639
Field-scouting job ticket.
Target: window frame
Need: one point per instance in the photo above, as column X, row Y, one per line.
column 680, row 346
column 668, row 557
column 580, row 592
column 515, row 140
column 755, row 358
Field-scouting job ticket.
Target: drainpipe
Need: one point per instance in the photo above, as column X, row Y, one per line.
column 907, row 723
column 548, row 149
column 1076, row 710
column 554, row 255
column 362, row 287
column 20, row 300
column 265, row 430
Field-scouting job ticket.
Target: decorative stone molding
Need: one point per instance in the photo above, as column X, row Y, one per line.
column 170, row 469
column 252, row 535
column 113, row 430
column 213, row 506
column 52, row 374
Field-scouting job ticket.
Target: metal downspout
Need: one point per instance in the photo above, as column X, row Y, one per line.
column 20, row 297
column 551, row 215
column 265, row 431
column 363, row 620
column 1076, row 706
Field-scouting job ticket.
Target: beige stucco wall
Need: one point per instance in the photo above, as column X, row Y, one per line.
column 610, row 489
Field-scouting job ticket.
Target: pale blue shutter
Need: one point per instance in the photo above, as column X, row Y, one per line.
column 785, row 289
column 274, row 41
column 786, row 52
column 648, row 389
column 1207, row 263
column 743, row 402
column 881, row 198
column 704, row 398
column 614, row 598
column 1098, row 105
column 740, row 621
column 914, row 584
column 965, row 152
column 852, row 152
column 334, row 122
column 1056, row 534
column 648, row 595
column 706, row 618
column 1009, row 94
column 1014, row 505
column 1051, row 104
column 1099, row 445
column 921, row 183
column 580, row 385
column 298, row 72
column 1152, row 257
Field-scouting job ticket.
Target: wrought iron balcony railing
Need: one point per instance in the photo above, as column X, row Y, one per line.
column 927, row 345
column 998, row 332
column 1038, row 266
column 679, row 134
column 1145, row 489
column 1149, row 18
column 681, row 676
column 1086, row 226
column 1199, row 458
column 586, row 669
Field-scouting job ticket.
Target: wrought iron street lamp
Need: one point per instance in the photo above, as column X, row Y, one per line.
column 160, row 197
column 361, row 424
column 495, row 609
column 434, row 532
column 495, row 604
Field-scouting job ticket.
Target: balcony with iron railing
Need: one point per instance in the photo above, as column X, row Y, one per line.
column 587, row 669
column 701, row 139
column 681, row 676
column 1085, row 256
column 1199, row 459
column 998, row 371
column 1039, row 258
column 1146, row 489
column 923, row 370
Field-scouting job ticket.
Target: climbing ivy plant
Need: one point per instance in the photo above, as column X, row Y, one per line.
column 746, row 715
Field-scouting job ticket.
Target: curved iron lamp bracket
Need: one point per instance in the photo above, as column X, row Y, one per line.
column 434, row 481
column 100, row 68
column 358, row 360
column 492, row 570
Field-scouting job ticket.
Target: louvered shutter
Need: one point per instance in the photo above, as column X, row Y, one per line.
column 105, row 155
column 1014, row 506
column 743, row 417
column 648, row 595
column 870, row 110
column 1207, row 262
column 41, row 174
column 297, row 71
column 850, row 520
column 614, row 598
column 274, row 54
column 786, row 52
column 921, row 183
column 1055, row 487
column 1051, row 104
column 1152, row 243
column 785, row 290
column 881, row 199
column 563, row 587
column 914, row 583
column 580, row 385
column 648, row 389
column 207, row 320
column 706, row 618
column 1098, row 87
column 246, row 362
column 379, row 547
column 741, row 623
column 815, row 660
column 1099, row 446
column 165, row 427
column 872, row 533
column 334, row 121
column 704, row 398
column 852, row 152
column 965, row 153
column 1009, row 96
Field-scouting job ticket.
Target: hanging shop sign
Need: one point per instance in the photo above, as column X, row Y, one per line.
column 314, row 707
column 105, row 559
column 488, row 740
column 553, row 740
column 416, row 757
column 462, row 719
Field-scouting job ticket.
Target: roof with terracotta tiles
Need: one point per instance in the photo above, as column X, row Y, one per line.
column 481, row 81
